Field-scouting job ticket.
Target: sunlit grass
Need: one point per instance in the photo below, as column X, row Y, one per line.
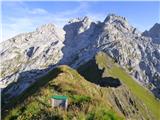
column 142, row 93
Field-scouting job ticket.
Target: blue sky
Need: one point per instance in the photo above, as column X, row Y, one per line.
column 19, row 17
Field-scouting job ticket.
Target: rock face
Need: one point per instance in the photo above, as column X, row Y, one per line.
column 154, row 33
column 29, row 55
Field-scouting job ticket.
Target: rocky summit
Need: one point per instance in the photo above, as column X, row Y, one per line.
column 154, row 33
column 28, row 56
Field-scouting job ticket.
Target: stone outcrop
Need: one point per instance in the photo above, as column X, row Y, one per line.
column 29, row 55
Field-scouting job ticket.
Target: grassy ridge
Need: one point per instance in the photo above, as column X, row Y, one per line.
column 112, row 69
column 31, row 90
column 85, row 101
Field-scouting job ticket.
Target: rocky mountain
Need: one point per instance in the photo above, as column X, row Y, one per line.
column 154, row 33
column 30, row 55
column 27, row 56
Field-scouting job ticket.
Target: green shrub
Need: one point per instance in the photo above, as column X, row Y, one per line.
column 102, row 114
column 130, row 69
column 78, row 99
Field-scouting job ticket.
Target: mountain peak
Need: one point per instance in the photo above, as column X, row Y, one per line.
column 155, row 28
column 156, row 24
column 112, row 17
column 74, row 20
column 51, row 30
column 154, row 33
column 86, row 18
column 46, row 27
column 49, row 46
column 83, row 19
column 119, row 23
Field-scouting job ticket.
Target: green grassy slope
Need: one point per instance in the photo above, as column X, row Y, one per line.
column 112, row 69
column 85, row 99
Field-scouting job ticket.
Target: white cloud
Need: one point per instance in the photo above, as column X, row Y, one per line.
column 17, row 26
column 38, row 11
column 29, row 19
column 83, row 6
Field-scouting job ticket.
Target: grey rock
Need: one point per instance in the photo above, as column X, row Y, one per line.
column 154, row 33
column 31, row 55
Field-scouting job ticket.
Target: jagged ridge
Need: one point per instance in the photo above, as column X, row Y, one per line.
column 35, row 53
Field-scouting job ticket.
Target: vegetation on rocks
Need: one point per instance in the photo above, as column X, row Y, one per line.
column 102, row 91
column 85, row 101
column 116, row 71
